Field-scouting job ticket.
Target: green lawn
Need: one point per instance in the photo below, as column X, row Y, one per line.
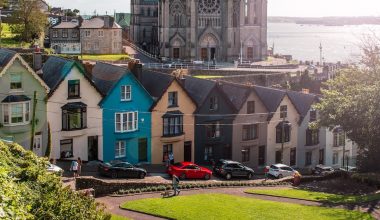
column 221, row 206
column 317, row 196
column 106, row 57
column 208, row 77
column 116, row 217
column 8, row 39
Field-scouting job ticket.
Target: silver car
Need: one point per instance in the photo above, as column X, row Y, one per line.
column 281, row 170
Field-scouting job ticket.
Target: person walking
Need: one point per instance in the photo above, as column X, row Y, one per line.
column 266, row 171
column 171, row 158
column 175, row 183
column 79, row 166
column 74, row 168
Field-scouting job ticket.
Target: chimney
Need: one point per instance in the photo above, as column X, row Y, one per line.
column 136, row 69
column 108, row 22
column 88, row 67
column 37, row 59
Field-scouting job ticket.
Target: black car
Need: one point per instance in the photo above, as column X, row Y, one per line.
column 229, row 169
column 121, row 169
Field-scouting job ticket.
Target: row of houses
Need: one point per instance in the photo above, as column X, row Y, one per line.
column 106, row 112
column 97, row 35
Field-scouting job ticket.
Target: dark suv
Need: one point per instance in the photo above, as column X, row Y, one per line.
column 229, row 169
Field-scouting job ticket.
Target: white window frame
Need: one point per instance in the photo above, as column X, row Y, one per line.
column 8, row 106
column 125, row 94
column 87, row 33
column 55, row 33
column 100, row 33
column 11, row 81
column 120, row 146
column 128, row 122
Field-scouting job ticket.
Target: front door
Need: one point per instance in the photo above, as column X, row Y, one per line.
column 143, row 150
column 204, row 54
column 37, row 146
column 187, row 151
column 212, row 53
column 92, row 148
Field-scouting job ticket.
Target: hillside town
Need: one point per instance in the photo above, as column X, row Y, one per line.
column 183, row 100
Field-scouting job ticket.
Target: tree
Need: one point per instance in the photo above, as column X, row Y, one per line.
column 30, row 20
column 353, row 102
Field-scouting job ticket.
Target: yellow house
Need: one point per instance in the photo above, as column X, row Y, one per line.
column 172, row 117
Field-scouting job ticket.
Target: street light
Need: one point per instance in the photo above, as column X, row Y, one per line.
column 283, row 137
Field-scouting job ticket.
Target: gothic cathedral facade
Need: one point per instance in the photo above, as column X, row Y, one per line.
column 208, row 30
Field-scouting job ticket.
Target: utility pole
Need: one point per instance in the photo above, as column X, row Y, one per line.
column 33, row 119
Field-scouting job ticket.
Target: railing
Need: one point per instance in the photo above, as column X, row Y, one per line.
column 205, row 66
column 138, row 49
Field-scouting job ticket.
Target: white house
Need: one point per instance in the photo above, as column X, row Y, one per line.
column 72, row 111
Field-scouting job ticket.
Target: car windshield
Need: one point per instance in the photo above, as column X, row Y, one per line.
column 179, row 165
column 274, row 167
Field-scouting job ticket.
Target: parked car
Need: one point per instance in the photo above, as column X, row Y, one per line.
column 281, row 170
column 121, row 169
column 229, row 169
column 321, row 169
column 349, row 169
column 54, row 169
column 188, row 170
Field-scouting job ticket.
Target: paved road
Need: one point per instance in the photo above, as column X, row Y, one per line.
column 137, row 55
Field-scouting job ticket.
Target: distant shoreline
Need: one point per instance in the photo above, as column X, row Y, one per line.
column 327, row 21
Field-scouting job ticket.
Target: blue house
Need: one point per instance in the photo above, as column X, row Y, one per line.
column 126, row 116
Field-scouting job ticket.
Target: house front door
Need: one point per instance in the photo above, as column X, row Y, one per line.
column 143, row 150
column 187, row 152
column 92, row 148
column 37, row 146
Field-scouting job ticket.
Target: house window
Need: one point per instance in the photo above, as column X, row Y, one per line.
column 16, row 113
column 172, row 99
column 308, row 157
column 278, row 156
column 55, row 34
column 250, row 107
column 74, row 34
column 96, row 45
column 245, row 154
column 65, row 34
column 16, row 82
column 126, row 93
column 74, row 117
column 126, row 122
column 313, row 115
column 87, row 33
column 322, row 156
column 213, row 130
column 261, row 156
column 213, row 103
column 167, row 149
column 100, row 33
column 339, row 139
column 283, row 111
column 74, row 89
column 335, row 158
column 173, row 125
column 120, row 149
column 66, row 150
column 250, row 132
column 293, row 156
column 312, row 137
column 279, row 135
column 208, row 153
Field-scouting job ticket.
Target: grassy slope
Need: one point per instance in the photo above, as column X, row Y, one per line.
column 317, row 196
column 117, row 217
column 106, row 57
column 221, row 206
column 8, row 39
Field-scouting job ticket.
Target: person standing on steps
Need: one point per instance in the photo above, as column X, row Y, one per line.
column 171, row 158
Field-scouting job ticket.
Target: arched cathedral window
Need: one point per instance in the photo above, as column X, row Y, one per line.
column 177, row 10
column 209, row 12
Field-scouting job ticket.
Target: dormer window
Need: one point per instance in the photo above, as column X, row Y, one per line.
column 16, row 82
column 126, row 93
column 214, row 103
column 313, row 115
column 172, row 99
column 73, row 89
column 250, row 107
column 283, row 111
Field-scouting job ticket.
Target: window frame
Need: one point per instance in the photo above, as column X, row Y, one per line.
column 245, row 154
column 287, row 135
column 250, row 132
column 68, row 142
column 313, row 115
column 66, row 118
column 76, row 84
column 7, row 111
column 13, row 83
column 124, row 93
column 120, row 145
column 55, row 34
column 251, row 107
column 166, row 150
column 312, row 137
column 213, row 130
column 208, row 153
column 174, row 97
column 170, row 129
column 125, row 124
column 283, row 111
column 100, row 33
column 65, row 33
column 214, row 103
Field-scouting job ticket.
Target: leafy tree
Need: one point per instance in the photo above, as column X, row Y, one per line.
column 28, row 191
column 30, row 20
column 353, row 102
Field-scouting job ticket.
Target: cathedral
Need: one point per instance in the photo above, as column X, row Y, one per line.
column 208, row 30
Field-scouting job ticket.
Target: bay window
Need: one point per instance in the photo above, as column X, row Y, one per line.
column 16, row 113
column 74, row 116
column 126, row 122
column 173, row 124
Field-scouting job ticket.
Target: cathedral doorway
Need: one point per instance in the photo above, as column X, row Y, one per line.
column 208, row 47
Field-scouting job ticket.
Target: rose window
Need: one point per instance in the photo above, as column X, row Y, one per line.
column 209, row 7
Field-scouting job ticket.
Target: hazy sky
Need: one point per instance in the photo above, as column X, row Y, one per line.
column 303, row 8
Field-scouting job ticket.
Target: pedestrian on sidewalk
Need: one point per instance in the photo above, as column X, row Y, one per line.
column 175, row 182
column 79, row 166
column 171, row 158
column 74, row 168
column 266, row 172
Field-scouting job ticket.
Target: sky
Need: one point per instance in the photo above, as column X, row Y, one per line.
column 289, row 8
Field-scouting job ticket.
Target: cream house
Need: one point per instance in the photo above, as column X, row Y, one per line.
column 72, row 111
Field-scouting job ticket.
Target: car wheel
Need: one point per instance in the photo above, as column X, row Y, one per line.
column 142, row 175
column 228, row 176
column 182, row 177
column 207, row 176
column 249, row 176
column 280, row 176
column 114, row 175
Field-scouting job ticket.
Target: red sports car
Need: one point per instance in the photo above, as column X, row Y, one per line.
column 187, row 170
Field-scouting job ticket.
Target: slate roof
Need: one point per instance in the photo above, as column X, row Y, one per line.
column 302, row 101
column 197, row 88
column 156, row 83
column 66, row 25
column 105, row 76
column 6, row 56
column 15, row 98
column 236, row 93
column 54, row 71
column 97, row 22
column 270, row 97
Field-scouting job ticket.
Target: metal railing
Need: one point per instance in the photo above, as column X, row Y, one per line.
column 143, row 52
column 205, row 66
